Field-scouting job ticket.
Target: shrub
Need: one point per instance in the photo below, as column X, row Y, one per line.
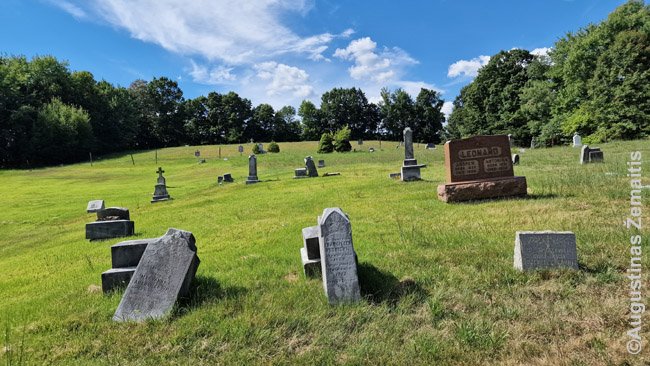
column 256, row 149
column 274, row 147
column 342, row 140
column 326, row 144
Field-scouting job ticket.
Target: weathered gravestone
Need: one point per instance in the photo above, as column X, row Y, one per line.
column 94, row 206
column 311, row 167
column 321, row 163
column 577, row 140
column 532, row 142
column 591, row 155
column 338, row 263
column 360, row 142
column 479, row 167
column 227, row 178
column 410, row 166
column 164, row 273
column 515, row 159
column 112, row 222
column 300, row 173
column 310, row 252
column 252, row 170
column 545, row 250
column 125, row 257
column 160, row 192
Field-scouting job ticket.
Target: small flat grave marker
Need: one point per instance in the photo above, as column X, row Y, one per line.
column 94, row 206
column 545, row 250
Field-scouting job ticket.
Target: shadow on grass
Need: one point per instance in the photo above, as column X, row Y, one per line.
column 379, row 287
column 205, row 289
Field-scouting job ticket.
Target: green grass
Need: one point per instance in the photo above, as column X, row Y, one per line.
column 437, row 279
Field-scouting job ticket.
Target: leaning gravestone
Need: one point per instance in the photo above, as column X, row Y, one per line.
column 94, row 206
column 479, row 167
column 112, row 222
column 160, row 192
column 164, row 273
column 252, row 170
column 410, row 166
column 338, row 263
column 545, row 250
column 311, row 167
column 577, row 140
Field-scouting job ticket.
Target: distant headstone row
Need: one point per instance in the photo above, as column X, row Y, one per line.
column 112, row 222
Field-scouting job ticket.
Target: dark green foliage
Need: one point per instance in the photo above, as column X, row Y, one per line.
column 326, row 144
column 274, row 147
column 595, row 82
column 348, row 107
column 342, row 140
column 256, row 149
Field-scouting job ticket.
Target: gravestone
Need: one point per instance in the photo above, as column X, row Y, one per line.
column 321, row 163
column 395, row 175
column 360, row 142
column 479, row 167
column 310, row 252
column 591, row 155
column 220, row 179
column 515, row 159
column 112, row 222
column 371, row 149
column 160, row 192
column 532, row 143
column 228, row 178
column 331, row 174
column 311, row 167
column 164, row 273
column 240, row 149
column 510, row 141
column 410, row 166
column 545, row 250
column 430, row 146
column 338, row 263
column 252, row 170
column 197, row 153
column 577, row 140
column 300, row 173
column 94, row 206
column 125, row 257
column 261, row 148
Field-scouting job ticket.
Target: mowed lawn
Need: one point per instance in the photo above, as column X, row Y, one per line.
column 437, row 279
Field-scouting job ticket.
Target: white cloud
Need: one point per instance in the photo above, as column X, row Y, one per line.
column 211, row 76
column 541, row 51
column 233, row 32
column 70, row 8
column 284, row 79
column 447, row 108
column 379, row 67
column 467, row 67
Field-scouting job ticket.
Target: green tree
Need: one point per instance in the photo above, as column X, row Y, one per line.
column 428, row 116
column 397, row 112
column 312, row 127
column 348, row 107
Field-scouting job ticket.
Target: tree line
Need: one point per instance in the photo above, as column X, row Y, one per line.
column 51, row 115
column 595, row 82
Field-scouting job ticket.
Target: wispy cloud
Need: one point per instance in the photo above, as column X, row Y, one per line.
column 70, row 8
column 468, row 68
column 211, row 76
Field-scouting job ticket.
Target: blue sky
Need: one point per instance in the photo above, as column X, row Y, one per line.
column 283, row 51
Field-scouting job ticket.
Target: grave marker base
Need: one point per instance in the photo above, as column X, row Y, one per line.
column 482, row 189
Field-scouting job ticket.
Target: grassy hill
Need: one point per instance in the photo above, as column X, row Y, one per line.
column 437, row 279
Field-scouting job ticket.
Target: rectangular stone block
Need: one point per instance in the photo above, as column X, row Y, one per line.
column 310, row 241
column 484, row 189
column 113, row 213
column 545, row 250
column 300, row 173
column 408, row 162
column 116, row 278
column 311, row 267
column 128, row 253
column 596, row 156
column 94, row 206
column 411, row 172
column 478, row 158
column 109, row 229
column 164, row 273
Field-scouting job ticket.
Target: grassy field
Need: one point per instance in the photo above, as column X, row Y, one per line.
column 437, row 279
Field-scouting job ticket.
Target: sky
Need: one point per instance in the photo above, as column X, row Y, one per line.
column 282, row 52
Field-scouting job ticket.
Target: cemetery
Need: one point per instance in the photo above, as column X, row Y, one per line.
column 412, row 269
column 324, row 183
